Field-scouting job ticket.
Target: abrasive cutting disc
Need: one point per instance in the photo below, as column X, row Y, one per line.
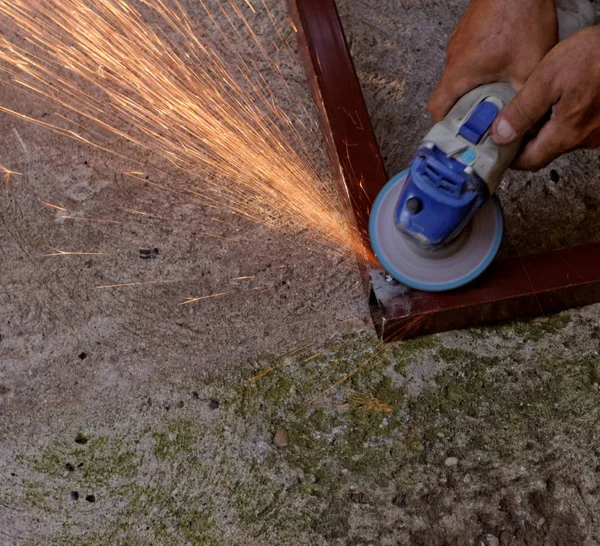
column 434, row 270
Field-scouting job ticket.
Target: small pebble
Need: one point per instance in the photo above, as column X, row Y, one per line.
column 74, row 495
column 281, row 438
column 82, row 356
column 81, row 439
column 299, row 474
column 90, row 498
column 488, row 540
column 69, row 467
column 148, row 253
column 451, row 461
column 506, row 538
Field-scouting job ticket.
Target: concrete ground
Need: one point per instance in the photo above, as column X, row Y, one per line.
column 127, row 418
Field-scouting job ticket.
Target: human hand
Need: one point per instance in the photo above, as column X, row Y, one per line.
column 567, row 83
column 495, row 41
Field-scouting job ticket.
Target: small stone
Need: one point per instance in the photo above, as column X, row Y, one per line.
column 299, row 474
column 69, row 467
column 82, row 356
column 81, row 439
column 281, row 438
column 90, row 498
column 488, row 540
column 148, row 253
column 451, row 461
column 506, row 538
column 213, row 405
column 74, row 495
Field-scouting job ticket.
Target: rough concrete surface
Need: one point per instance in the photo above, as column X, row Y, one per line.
column 274, row 416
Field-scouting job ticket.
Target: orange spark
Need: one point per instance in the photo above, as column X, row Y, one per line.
column 141, row 213
column 193, row 300
column 58, row 252
column 52, row 206
column 7, row 174
column 82, row 218
column 134, row 284
column 347, row 376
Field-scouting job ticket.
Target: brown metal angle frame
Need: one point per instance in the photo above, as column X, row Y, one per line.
column 511, row 288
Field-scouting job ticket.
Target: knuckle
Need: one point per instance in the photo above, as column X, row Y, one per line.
column 521, row 114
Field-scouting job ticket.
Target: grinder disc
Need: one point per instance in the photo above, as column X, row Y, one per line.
column 433, row 270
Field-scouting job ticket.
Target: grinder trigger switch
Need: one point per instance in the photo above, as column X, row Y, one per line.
column 479, row 122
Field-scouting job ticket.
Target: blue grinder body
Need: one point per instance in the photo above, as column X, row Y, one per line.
column 422, row 224
column 440, row 197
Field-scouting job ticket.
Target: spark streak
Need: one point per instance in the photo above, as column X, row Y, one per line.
column 193, row 300
column 53, row 206
column 142, row 213
column 58, row 252
column 83, row 218
column 348, row 376
column 7, row 174
column 134, row 284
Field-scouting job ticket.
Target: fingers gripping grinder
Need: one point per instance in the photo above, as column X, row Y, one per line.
column 438, row 225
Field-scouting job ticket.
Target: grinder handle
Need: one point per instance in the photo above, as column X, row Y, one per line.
column 454, row 135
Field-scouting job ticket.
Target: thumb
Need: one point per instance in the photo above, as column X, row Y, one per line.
column 530, row 105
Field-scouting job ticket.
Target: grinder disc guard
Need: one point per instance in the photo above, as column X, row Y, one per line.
column 450, row 267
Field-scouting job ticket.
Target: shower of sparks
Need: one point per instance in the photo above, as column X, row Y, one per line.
column 8, row 174
column 123, row 285
column 193, row 300
column 58, row 252
column 368, row 402
column 165, row 88
column 372, row 361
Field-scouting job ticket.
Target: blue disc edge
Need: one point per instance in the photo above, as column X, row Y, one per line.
column 430, row 287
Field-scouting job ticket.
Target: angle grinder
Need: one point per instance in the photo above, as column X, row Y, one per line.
column 438, row 225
